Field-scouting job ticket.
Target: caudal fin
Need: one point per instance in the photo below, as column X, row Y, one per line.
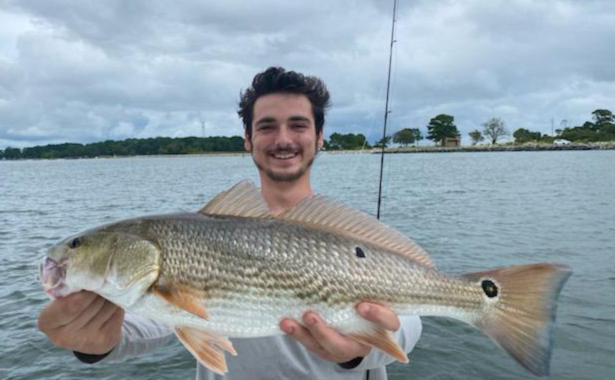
column 521, row 303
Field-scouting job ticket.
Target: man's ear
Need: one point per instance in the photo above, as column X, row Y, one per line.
column 321, row 140
column 247, row 144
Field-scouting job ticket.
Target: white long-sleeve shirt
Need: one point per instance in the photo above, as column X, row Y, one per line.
column 277, row 357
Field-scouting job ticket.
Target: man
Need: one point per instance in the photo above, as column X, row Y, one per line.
column 283, row 115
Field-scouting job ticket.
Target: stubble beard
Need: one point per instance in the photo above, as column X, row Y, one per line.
column 286, row 177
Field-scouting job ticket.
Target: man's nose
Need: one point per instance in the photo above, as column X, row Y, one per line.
column 284, row 135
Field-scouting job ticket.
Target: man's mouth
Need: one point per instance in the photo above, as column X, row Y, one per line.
column 284, row 156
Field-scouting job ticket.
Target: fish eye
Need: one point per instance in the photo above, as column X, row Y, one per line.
column 76, row 242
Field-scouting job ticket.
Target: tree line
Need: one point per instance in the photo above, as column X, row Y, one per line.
column 162, row 145
column 602, row 128
column 130, row 147
column 443, row 126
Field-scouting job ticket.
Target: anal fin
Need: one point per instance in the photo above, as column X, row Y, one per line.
column 207, row 348
column 382, row 340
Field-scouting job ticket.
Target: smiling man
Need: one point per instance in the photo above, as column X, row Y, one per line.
column 284, row 135
column 283, row 114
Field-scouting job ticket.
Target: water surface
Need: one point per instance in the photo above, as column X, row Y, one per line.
column 471, row 211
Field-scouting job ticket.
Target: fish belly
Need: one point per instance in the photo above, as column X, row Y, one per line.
column 247, row 318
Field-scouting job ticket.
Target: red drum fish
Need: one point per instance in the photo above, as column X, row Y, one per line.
column 235, row 270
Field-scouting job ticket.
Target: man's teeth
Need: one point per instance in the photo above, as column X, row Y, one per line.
column 284, row 156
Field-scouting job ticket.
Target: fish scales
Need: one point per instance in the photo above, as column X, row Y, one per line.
column 235, row 270
column 230, row 257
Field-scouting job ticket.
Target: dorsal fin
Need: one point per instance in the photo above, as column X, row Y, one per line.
column 242, row 200
column 326, row 214
column 318, row 212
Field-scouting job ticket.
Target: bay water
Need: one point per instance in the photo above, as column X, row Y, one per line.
column 470, row 211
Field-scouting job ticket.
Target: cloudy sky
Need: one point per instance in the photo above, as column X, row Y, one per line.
column 86, row 70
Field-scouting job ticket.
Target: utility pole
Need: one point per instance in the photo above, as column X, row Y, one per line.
column 551, row 126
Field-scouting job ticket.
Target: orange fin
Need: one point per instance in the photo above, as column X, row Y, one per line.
column 182, row 298
column 382, row 340
column 206, row 347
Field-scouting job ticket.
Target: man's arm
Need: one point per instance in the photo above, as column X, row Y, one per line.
column 332, row 346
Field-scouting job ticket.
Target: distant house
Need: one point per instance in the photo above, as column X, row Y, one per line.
column 451, row 142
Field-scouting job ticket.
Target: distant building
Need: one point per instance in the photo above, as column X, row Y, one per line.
column 451, row 142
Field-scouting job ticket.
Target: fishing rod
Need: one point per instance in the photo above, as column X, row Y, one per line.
column 386, row 111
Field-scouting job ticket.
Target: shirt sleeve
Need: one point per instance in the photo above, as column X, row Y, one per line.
column 139, row 335
column 407, row 336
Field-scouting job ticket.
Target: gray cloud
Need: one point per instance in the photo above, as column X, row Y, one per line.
column 85, row 71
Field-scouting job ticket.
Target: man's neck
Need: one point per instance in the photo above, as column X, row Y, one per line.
column 281, row 196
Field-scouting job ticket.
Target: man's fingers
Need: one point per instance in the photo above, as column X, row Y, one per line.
column 88, row 315
column 104, row 315
column 65, row 310
column 380, row 315
column 332, row 341
column 112, row 329
column 114, row 323
column 83, row 322
column 302, row 335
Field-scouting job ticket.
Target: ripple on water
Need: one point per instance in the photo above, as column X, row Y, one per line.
column 471, row 212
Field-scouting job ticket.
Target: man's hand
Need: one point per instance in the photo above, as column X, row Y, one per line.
column 331, row 345
column 83, row 322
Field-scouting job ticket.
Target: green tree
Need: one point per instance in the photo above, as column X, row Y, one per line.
column 603, row 128
column 579, row 134
column 418, row 136
column 12, row 153
column 476, row 136
column 440, row 127
column 494, row 129
column 523, row 135
column 404, row 137
column 383, row 141
column 605, row 125
column 602, row 116
column 348, row 141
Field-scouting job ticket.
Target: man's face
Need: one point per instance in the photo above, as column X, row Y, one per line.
column 284, row 142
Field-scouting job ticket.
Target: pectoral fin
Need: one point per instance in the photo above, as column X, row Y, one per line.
column 382, row 340
column 182, row 298
column 206, row 347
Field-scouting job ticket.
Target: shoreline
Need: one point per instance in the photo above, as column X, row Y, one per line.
column 610, row 145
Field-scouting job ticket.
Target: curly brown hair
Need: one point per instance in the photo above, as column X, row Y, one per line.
column 276, row 80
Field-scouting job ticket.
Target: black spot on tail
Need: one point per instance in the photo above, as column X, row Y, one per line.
column 490, row 288
column 360, row 253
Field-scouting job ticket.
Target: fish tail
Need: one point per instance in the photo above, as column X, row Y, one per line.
column 520, row 304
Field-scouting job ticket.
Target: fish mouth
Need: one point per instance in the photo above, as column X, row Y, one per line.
column 52, row 276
